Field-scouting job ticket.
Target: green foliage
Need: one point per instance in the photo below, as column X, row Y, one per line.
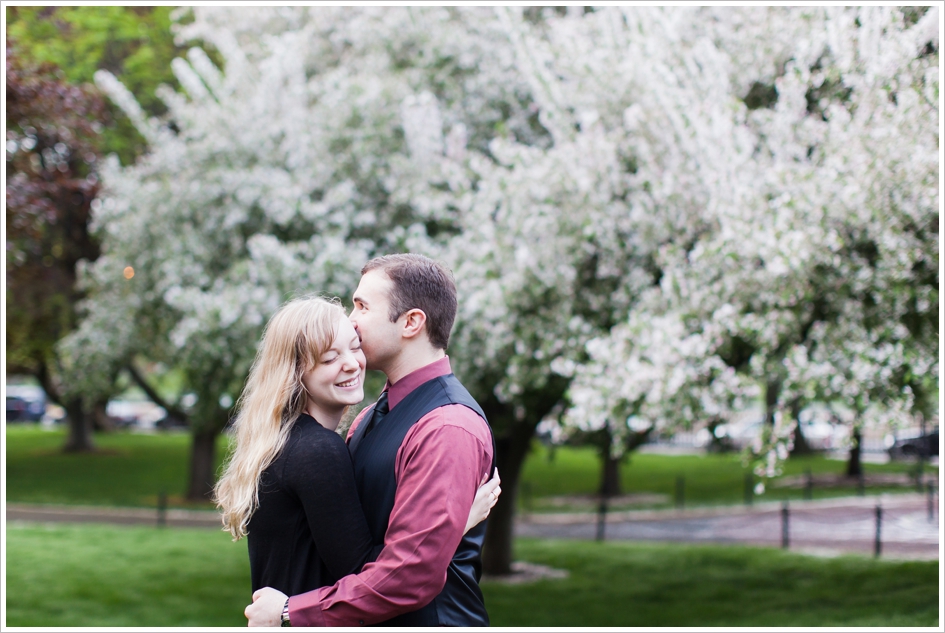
column 98, row 576
column 134, row 43
column 59, row 126
column 52, row 139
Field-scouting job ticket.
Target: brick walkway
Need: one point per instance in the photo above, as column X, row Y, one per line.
column 825, row 527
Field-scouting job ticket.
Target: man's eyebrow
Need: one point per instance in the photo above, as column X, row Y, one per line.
column 358, row 299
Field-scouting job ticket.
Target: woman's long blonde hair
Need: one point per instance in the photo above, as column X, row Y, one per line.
column 294, row 339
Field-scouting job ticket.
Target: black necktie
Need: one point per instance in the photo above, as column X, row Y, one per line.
column 380, row 410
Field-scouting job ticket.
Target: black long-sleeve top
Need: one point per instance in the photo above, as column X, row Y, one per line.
column 309, row 529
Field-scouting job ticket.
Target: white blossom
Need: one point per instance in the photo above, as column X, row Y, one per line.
column 661, row 209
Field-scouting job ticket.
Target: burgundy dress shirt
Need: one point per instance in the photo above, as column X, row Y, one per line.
column 438, row 469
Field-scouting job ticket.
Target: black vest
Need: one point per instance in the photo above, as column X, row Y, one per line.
column 460, row 603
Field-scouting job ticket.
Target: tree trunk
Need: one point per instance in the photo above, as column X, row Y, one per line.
column 801, row 445
column 510, row 456
column 79, row 439
column 772, row 391
column 202, row 461
column 854, row 465
column 100, row 419
column 610, row 474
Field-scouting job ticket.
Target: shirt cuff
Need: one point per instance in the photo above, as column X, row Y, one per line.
column 300, row 616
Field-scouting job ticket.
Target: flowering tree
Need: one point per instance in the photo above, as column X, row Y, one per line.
column 814, row 275
column 278, row 175
column 650, row 212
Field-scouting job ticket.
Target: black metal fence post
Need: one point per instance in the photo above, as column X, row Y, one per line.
column 785, row 541
column 162, row 509
column 879, row 522
column 923, row 445
column 601, row 517
column 931, row 496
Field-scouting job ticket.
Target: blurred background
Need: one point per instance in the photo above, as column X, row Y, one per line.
column 697, row 253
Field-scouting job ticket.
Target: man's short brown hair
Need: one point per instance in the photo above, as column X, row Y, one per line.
column 420, row 282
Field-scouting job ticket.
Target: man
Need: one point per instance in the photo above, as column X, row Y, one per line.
column 419, row 455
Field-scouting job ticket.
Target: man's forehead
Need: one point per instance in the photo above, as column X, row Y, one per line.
column 374, row 286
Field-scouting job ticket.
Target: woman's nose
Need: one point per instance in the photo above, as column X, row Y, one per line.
column 351, row 361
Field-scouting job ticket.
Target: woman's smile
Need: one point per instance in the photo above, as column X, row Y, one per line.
column 351, row 382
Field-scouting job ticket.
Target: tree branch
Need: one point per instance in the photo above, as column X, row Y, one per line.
column 172, row 410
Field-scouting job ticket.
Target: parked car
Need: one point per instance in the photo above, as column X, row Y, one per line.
column 914, row 446
column 821, row 428
column 731, row 436
column 815, row 424
column 25, row 403
column 823, row 436
column 170, row 423
column 141, row 413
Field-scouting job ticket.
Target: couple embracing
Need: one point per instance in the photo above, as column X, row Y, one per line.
column 386, row 528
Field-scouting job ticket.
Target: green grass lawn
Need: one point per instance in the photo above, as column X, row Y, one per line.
column 132, row 469
column 128, row 469
column 100, row 576
column 707, row 479
column 649, row 585
column 112, row 576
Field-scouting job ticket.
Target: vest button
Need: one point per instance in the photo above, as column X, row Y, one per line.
column 361, row 622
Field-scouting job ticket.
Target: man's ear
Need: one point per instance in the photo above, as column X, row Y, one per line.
column 414, row 321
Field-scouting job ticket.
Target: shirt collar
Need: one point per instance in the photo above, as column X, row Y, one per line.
column 402, row 388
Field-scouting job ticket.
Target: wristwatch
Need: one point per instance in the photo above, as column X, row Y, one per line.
column 285, row 614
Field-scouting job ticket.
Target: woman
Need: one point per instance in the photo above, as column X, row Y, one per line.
column 289, row 485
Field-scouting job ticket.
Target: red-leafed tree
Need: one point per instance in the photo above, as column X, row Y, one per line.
column 51, row 152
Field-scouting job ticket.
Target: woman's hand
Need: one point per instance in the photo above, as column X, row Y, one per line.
column 486, row 497
column 266, row 609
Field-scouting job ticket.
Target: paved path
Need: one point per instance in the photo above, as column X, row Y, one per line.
column 120, row 516
column 828, row 527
